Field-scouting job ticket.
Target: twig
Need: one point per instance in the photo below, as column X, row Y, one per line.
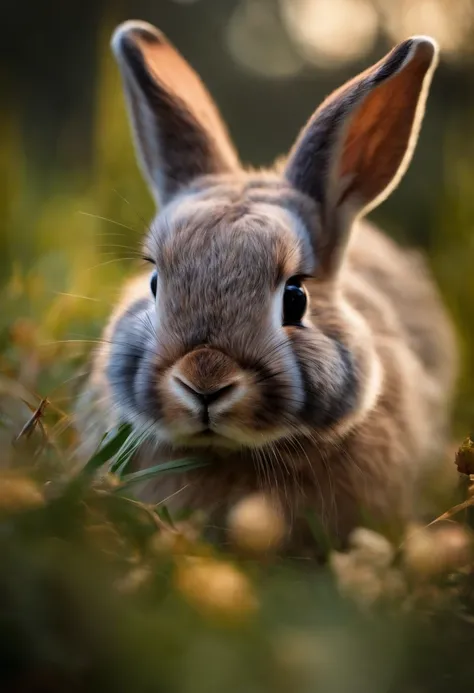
column 33, row 422
column 453, row 511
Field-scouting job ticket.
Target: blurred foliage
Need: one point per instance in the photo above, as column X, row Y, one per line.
column 452, row 254
column 66, row 253
column 98, row 592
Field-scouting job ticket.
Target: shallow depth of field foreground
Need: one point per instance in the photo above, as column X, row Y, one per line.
column 102, row 592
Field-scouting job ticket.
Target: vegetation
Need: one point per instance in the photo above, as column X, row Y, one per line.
column 99, row 592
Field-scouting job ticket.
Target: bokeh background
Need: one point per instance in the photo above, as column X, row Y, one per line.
column 73, row 206
column 94, row 596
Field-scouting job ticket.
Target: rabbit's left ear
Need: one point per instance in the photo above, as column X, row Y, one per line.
column 178, row 131
column 358, row 144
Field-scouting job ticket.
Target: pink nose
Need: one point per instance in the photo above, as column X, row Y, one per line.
column 206, row 376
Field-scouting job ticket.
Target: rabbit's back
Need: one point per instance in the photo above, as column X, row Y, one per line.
column 393, row 289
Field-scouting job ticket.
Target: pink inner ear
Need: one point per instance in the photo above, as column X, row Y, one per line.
column 380, row 133
column 174, row 73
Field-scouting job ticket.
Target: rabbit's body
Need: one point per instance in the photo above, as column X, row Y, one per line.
column 334, row 407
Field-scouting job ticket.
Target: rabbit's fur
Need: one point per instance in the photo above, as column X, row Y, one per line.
column 339, row 414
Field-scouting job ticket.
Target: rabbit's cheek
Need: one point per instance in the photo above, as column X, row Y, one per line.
column 329, row 379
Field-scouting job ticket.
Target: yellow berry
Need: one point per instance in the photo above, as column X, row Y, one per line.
column 431, row 552
column 256, row 524
column 215, row 588
column 371, row 547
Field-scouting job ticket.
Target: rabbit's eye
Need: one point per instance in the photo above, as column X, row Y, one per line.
column 154, row 282
column 295, row 301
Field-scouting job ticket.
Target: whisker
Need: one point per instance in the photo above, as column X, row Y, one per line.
column 110, row 221
column 135, row 211
column 109, row 262
column 86, row 298
column 103, row 248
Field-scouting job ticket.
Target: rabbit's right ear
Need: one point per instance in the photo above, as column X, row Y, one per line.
column 358, row 144
column 178, row 131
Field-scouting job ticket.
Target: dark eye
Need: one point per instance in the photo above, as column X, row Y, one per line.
column 295, row 301
column 153, row 282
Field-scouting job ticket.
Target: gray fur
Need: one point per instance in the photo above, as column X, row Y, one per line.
column 338, row 414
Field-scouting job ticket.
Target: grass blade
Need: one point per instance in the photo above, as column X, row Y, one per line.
column 122, row 459
column 183, row 465
column 111, row 444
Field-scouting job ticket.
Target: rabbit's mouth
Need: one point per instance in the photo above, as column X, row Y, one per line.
column 207, row 434
column 225, row 437
column 206, row 438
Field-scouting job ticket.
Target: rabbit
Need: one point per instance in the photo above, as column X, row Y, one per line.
column 278, row 336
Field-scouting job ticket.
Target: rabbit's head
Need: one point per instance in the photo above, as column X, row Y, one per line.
column 241, row 337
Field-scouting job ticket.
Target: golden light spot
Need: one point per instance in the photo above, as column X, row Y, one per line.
column 18, row 493
column 215, row 588
column 256, row 524
column 449, row 22
column 257, row 40
column 333, row 33
column 429, row 552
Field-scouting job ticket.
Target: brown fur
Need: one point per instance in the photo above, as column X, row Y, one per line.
column 339, row 415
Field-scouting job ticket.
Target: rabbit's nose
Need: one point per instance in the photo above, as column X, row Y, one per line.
column 207, row 397
column 207, row 377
